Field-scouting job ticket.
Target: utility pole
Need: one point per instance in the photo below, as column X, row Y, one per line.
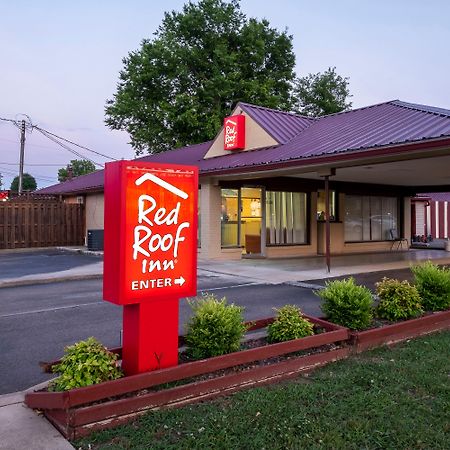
column 22, row 151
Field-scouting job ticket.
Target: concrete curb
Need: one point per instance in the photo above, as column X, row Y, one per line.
column 31, row 281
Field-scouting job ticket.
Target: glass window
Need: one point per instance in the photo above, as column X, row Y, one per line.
column 370, row 218
column 286, row 218
column 321, row 205
column 230, row 218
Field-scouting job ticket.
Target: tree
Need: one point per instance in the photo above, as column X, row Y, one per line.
column 324, row 93
column 28, row 183
column 79, row 167
column 177, row 88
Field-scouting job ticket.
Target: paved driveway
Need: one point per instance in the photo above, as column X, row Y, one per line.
column 15, row 264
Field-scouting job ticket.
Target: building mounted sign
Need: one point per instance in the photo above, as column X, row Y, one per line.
column 150, row 255
column 234, row 132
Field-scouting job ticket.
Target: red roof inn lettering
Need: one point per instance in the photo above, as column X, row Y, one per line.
column 152, row 245
column 234, row 132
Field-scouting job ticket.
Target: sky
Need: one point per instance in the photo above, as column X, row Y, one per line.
column 60, row 61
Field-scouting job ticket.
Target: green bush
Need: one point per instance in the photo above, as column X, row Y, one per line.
column 215, row 328
column 85, row 363
column 398, row 300
column 433, row 284
column 347, row 304
column 289, row 324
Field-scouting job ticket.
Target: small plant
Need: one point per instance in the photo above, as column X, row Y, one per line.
column 398, row 300
column 433, row 284
column 216, row 328
column 289, row 324
column 85, row 363
column 347, row 304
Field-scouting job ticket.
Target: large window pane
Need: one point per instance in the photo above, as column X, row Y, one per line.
column 230, row 218
column 286, row 218
column 321, row 205
column 370, row 218
column 353, row 221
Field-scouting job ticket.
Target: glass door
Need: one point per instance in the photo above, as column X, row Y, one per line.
column 252, row 213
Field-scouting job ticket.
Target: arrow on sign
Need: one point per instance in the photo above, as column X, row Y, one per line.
column 162, row 183
column 180, row 281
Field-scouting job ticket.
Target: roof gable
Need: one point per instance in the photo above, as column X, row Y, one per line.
column 281, row 125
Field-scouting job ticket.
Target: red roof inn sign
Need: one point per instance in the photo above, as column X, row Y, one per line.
column 234, row 132
column 150, row 258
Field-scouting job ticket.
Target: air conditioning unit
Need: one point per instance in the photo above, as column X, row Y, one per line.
column 95, row 240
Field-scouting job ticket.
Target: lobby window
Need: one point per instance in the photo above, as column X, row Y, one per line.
column 321, row 205
column 370, row 218
column 230, row 216
column 286, row 218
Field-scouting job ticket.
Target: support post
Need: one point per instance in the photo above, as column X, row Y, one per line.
column 22, row 152
column 327, row 223
column 150, row 335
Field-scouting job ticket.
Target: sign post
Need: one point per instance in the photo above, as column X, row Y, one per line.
column 150, row 256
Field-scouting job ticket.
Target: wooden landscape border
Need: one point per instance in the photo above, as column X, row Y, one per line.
column 80, row 411
column 397, row 332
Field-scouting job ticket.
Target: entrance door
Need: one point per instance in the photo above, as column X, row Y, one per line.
column 252, row 213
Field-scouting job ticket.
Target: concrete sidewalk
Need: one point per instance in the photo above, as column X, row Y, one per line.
column 289, row 270
column 274, row 271
column 22, row 428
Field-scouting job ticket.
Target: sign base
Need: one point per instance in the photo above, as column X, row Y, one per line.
column 150, row 336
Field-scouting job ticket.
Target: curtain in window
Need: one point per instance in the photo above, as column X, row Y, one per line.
column 286, row 218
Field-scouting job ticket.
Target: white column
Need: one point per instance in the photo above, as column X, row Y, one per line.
column 210, row 211
column 407, row 218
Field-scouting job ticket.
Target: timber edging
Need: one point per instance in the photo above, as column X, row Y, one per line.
column 81, row 411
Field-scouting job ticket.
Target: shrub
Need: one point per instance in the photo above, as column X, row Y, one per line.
column 85, row 363
column 347, row 304
column 398, row 300
column 433, row 284
column 289, row 324
column 215, row 328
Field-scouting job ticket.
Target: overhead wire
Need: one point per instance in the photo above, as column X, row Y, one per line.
column 74, row 143
column 39, row 177
column 69, row 149
column 59, row 140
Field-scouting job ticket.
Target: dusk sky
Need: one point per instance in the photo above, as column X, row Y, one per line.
column 60, row 62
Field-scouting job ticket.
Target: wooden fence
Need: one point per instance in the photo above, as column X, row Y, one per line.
column 43, row 223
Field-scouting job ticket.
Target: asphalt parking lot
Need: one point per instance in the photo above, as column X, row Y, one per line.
column 14, row 264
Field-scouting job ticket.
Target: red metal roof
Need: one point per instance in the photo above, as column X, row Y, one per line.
column 436, row 196
column 281, row 125
column 301, row 138
column 190, row 155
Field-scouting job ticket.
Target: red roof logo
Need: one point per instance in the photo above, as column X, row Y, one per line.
column 234, row 132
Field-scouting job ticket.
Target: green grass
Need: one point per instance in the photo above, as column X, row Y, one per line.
column 389, row 398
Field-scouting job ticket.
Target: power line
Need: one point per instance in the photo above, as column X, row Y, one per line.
column 32, row 164
column 8, row 120
column 39, row 177
column 74, row 143
column 71, row 150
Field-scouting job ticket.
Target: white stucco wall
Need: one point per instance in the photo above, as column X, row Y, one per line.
column 95, row 211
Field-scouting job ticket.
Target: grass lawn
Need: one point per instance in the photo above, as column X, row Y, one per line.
column 389, row 398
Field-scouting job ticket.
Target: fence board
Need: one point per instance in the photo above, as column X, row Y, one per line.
column 37, row 223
